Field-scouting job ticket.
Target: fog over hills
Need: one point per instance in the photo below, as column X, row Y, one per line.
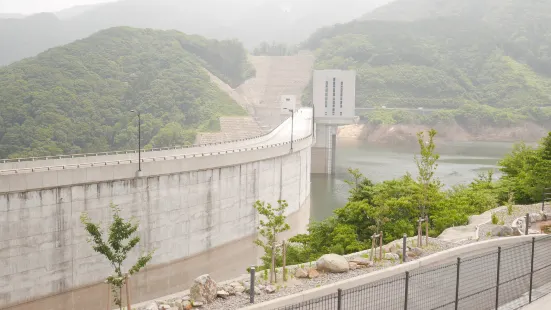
column 250, row 21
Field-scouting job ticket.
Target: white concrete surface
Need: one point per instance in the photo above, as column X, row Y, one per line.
column 185, row 206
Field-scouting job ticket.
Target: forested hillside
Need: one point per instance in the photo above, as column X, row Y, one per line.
column 249, row 21
column 78, row 97
column 490, row 58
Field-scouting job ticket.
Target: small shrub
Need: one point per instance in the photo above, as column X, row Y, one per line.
column 495, row 219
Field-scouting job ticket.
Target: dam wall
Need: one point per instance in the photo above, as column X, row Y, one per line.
column 195, row 212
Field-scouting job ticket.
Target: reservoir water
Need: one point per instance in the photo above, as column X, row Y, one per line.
column 459, row 163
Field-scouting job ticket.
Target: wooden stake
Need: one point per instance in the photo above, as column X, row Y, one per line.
column 426, row 230
column 372, row 248
column 128, row 305
column 284, row 245
column 381, row 245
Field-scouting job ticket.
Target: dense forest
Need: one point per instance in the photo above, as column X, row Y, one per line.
column 78, row 97
column 482, row 56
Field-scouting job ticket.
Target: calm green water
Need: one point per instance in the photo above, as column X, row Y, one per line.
column 459, row 163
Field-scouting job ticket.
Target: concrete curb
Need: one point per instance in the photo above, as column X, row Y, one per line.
column 389, row 272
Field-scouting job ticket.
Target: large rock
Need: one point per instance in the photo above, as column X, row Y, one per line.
column 516, row 231
column 203, row 290
column 352, row 266
column 417, row 251
column 391, row 256
column 502, row 231
column 360, row 261
column 152, row 306
column 301, row 273
column 536, row 217
column 332, row 263
column 313, row 273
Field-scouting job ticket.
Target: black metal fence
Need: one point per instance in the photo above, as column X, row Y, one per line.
column 506, row 279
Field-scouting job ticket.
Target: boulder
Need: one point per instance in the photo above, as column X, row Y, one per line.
column 332, row 263
column 301, row 273
column 502, row 231
column 390, row 248
column 411, row 255
column 222, row 294
column 417, row 251
column 536, row 217
column 313, row 273
column 391, row 256
column 236, row 287
column 197, row 304
column 152, row 306
column 516, row 231
column 203, row 289
column 187, row 305
column 270, row 289
column 360, row 261
column 352, row 266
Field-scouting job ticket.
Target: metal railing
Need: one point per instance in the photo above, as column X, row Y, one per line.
column 143, row 160
column 506, row 279
column 179, row 147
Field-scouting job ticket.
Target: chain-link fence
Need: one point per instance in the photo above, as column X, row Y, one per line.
column 506, row 279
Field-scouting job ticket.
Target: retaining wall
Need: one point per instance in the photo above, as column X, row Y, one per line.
column 196, row 212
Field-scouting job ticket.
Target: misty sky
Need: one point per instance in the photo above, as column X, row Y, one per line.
column 37, row 6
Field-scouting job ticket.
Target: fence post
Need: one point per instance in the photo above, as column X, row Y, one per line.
column 457, row 284
column 527, row 224
column 531, row 270
column 251, row 289
column 497, row 282
column 404, row 248
column 339, row 299
column 406, row 295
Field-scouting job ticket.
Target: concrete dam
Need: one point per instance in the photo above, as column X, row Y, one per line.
column 195, row 207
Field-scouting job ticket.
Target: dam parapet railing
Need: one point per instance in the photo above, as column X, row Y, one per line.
column 49, row 163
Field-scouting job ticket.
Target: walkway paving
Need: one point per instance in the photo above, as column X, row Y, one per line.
column 468, row 232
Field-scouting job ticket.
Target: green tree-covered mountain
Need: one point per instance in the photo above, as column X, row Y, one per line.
column 78, row 97
column 479, row 55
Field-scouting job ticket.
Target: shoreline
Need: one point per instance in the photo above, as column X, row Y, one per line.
column 406, row 134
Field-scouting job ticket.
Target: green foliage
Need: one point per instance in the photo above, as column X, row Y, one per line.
column 495, row 219
column 272, row 223
column 393, row 207
column 77, row 98
column 526, row 172
column 274, row 49
column 120, row 241
column 426, row 167
column 493, row 62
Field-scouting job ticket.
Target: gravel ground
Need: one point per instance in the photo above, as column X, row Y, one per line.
column 518, row 211
column 298, row 285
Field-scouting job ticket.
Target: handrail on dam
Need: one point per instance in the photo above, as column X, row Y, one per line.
column 177, row 147
column 143, row 160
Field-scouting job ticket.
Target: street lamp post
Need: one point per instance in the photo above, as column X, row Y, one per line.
column 292, row 126
column 139, row 139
